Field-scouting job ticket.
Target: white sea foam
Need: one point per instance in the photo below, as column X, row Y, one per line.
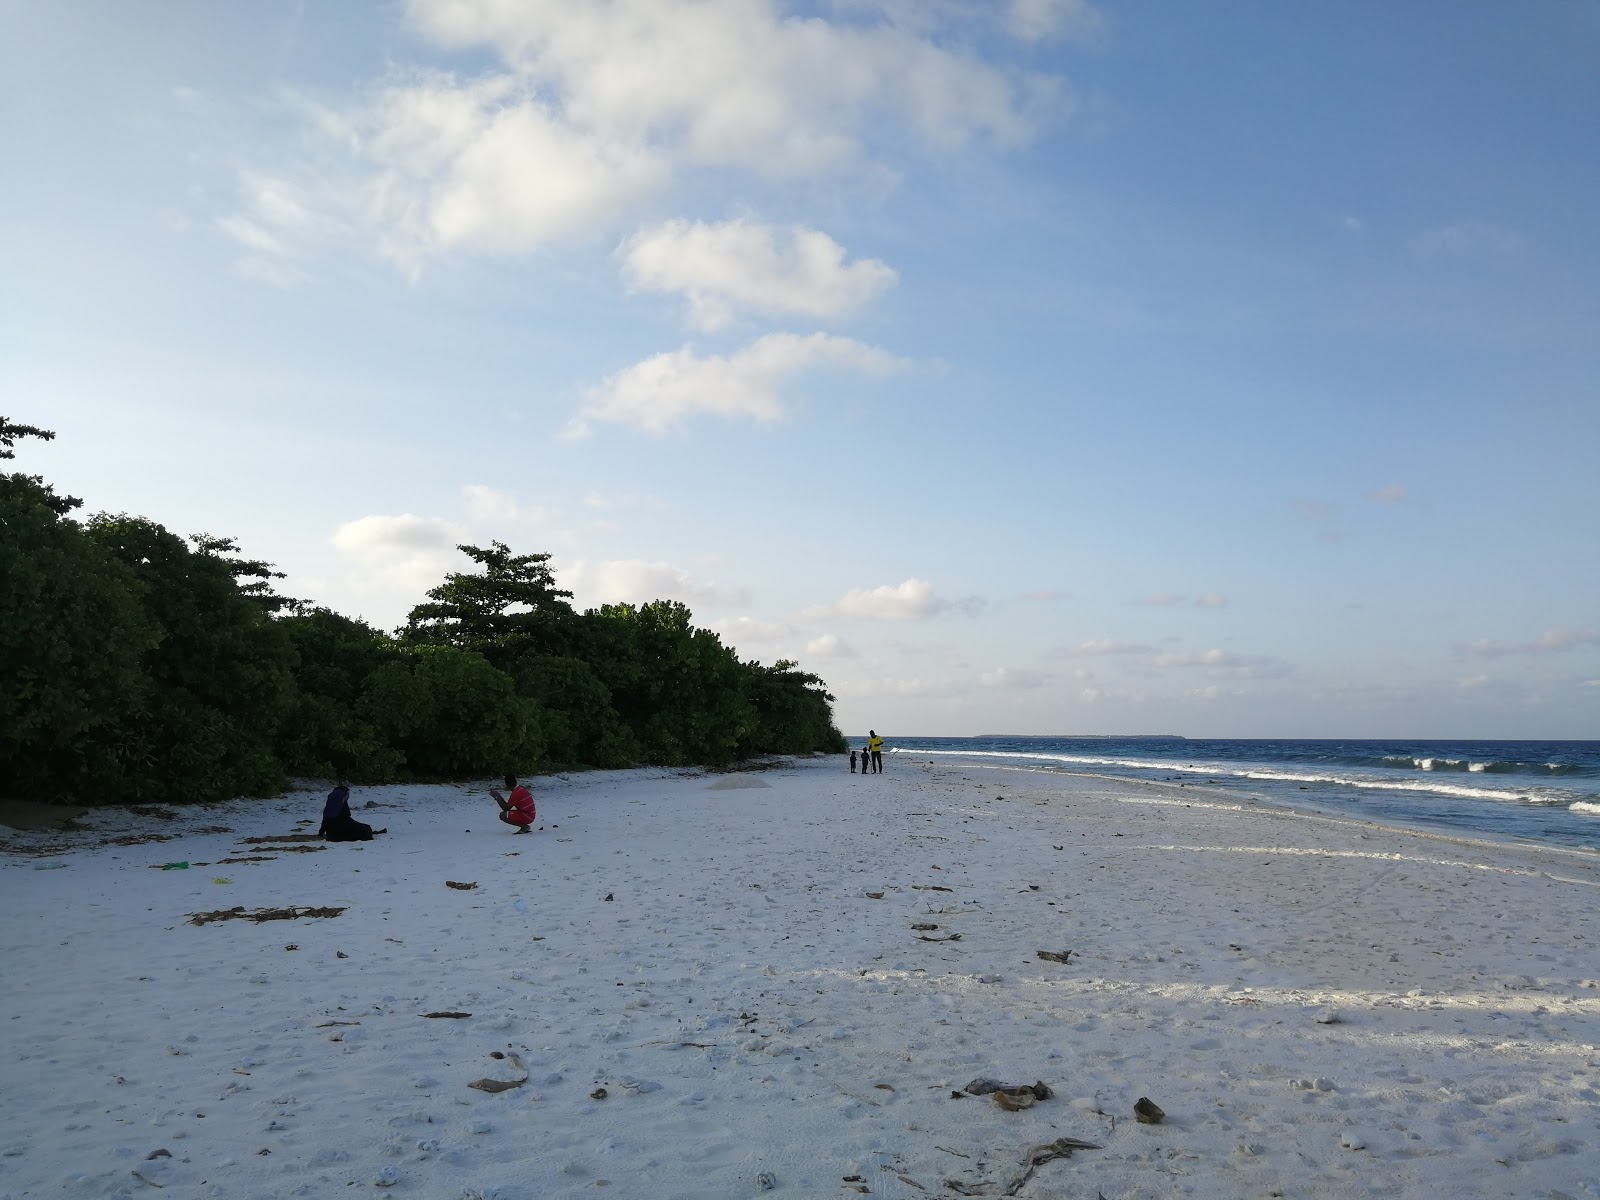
column 1429, row 786
column 1584, row 806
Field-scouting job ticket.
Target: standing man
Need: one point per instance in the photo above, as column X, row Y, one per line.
column 875, row 749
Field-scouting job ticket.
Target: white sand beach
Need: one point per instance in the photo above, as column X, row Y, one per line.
column 779, row 982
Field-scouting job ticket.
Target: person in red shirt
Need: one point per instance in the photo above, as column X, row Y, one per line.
column 517, row 808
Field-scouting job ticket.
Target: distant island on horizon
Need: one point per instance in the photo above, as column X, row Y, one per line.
column 1097, row 737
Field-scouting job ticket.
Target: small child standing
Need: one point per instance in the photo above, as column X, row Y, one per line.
column 852, row 762
column 517, row 808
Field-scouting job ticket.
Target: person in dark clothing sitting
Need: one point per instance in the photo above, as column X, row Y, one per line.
column 337, row 823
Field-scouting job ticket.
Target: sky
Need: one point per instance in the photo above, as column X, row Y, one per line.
column 1024, row 366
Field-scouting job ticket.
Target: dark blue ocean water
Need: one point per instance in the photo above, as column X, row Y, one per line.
column 1545, row 792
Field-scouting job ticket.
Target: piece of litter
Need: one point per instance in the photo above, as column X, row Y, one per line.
column 1059, row 956
column 503, row 1085
column 460, row 887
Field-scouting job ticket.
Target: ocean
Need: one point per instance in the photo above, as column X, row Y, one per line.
column 1542, row 792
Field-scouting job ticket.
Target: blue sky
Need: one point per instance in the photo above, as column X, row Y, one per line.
column 1032, row 366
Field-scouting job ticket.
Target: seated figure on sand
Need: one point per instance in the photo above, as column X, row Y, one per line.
column 517, row 808
column 337, row 823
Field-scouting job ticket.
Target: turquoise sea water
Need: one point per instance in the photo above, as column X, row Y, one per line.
column 1546, row 792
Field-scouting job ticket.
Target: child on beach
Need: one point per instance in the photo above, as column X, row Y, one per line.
column 852, row 762
column 517, row 808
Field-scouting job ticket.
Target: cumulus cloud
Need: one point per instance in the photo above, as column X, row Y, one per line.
column 829, row 646
column 632, row 581
column 1211, row 600
column 913, row 600
column 1012, row 678
column 590, row 110
column 1551, row 641
column 723, row 268
column 402, row 551
column 661, row 392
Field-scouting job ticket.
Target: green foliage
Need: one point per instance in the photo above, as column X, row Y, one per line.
column 258, row 573
column 322, row 735
column 73, row 636
column 795, row 711
column 509, row 609
column 134, row 668
column 451, row 713
column 679, row 688
column 217, row 685
column 579, row 723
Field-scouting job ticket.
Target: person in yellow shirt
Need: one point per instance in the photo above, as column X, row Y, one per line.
column 875, row 749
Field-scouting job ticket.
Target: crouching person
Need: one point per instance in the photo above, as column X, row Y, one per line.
column 517, row 807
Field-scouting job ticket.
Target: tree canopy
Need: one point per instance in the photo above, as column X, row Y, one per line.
column 136, row 665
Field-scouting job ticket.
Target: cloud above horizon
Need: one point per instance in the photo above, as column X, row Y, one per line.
column 911, row 600
column 663, row 391
column 1551, row 641
column 724, row 268
column 405, row 551
column 633, row 581
column 593, row 110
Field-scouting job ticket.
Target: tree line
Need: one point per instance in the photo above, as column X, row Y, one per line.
column 137, row 665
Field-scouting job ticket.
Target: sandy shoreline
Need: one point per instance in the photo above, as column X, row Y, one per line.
column 714, row 959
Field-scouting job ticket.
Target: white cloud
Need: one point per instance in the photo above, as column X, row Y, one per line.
column 1551, row 641
column 913, row 600
column 1011, row 677
column 829, row 646
column 915, row 687
column 722, row 268
column 492, row 504
column 592, row 110
column 1466, row 238
column 402, row 551
column 1222, row 664
column 1035, row 20
column 1102, row 646
column 741, row 631
column 1391, row 493
column 732, row 82
column 1211, row 600
column 632, row 581
column 664, row 390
